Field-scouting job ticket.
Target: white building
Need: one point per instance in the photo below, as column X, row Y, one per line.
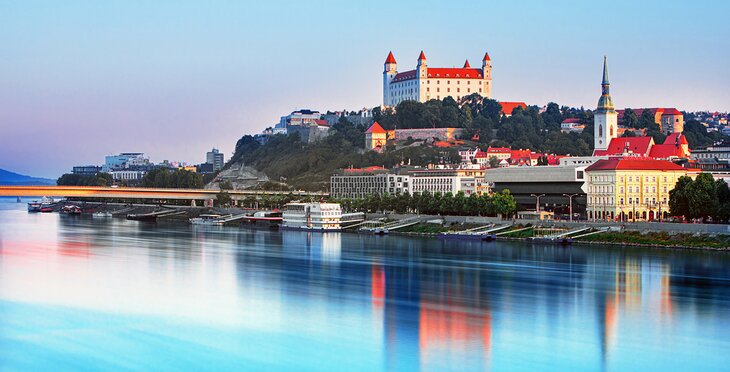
column 317, row 216
column 124, row 160
column 425, row 83
column 606, row 117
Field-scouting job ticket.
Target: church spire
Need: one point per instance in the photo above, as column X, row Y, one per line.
column 605, row 103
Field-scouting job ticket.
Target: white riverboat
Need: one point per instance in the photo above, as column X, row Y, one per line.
column 318, row 217
column 208, row 219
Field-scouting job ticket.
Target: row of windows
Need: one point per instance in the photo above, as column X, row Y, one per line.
column 622, row 178
column 631, row 201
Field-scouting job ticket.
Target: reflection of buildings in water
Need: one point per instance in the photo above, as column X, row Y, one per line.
column 437, row 313
column 330, row 246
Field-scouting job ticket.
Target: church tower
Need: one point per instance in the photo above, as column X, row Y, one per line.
column 389, row 73
column 605, row 119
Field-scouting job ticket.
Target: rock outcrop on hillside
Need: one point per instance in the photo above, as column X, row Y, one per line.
column 241, row 177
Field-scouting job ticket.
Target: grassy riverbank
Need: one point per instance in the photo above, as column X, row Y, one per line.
column 661, row 239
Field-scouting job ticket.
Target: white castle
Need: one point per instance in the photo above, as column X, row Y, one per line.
column 425, row 83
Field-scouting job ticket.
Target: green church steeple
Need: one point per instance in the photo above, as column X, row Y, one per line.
column 605, row 103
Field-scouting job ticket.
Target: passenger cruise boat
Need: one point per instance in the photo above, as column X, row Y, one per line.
column 34, row 206
column 317, row 217
column 208, row 219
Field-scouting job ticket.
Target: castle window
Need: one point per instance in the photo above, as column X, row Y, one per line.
column 448, row 81
column 480, row 90
column 438, row 81
column 438, row 89
column 458, row 82
column 448, row 89
column 458, row 89
column 468, row 90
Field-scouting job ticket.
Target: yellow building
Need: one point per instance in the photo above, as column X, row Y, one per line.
column 375, row 137
column 631, row 189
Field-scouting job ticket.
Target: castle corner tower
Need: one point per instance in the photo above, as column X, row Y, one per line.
column 605, row 119
column 389, row 72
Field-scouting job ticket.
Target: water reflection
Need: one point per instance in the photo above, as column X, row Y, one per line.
column 228, row 297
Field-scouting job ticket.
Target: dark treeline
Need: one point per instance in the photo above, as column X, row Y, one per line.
column 168, row 178
column 481, row 116
column 702, row 198
column 502, row 204
column 99, row 179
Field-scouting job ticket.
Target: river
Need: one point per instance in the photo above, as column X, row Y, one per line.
column 78, row 293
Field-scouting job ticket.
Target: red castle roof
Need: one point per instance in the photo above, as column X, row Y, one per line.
column 572, row 121
column 390, row 58
column 460, row 73
column 466, row 64
column 499, row 150
column 421, row 56
column 486, row 57
column 375, row 128
column 508, row 107
column 633, row 164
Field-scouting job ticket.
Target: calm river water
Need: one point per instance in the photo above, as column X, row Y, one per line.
column 82, row 293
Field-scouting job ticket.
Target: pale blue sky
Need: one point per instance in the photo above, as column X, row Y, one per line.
column 83, row 79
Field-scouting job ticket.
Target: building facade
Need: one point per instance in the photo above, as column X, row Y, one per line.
column 86, row 170
column 425, row 83
column 631, row 188
column 361, row 182
column 216, row 158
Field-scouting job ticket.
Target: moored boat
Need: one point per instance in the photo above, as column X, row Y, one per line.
column 71, row 210
column 101, row 214
column 34, row 206
column 207, row 219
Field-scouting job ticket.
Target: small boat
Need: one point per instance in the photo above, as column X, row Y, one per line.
column 380, row 231
column 207, row 219
column 46, row 208
column 142, row 217
column 34, row 206
column 71, row 210
column 101, row 215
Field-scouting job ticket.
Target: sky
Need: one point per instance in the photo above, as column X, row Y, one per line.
column 83, row 79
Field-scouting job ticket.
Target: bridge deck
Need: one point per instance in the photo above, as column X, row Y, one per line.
column 140, row 192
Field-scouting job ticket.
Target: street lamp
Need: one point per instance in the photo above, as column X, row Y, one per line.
column 537, row 203
column 570, row 202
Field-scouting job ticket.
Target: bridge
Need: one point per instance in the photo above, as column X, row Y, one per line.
column 142, row 192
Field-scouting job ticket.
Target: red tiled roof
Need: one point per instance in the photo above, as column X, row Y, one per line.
column 486, row 57
column 451, row 73
column 466, row 64
column 321, row 122
column 674, row 138
column 572, row 121
column 508, row 107
column 407, row 75
column 366, row 169
column 633, row 164
column 671, row 111
column 499, row 150
column 375, row 128
column 665, row 151
column 421, row 56
column 480, row 154
column 637, row 145
column 390, row 58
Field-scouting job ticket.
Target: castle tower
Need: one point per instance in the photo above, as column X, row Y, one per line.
column 389, row 73
column 487, row 74
column 605, row 120
column 422, row 67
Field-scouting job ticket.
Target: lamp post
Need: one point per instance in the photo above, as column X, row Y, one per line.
column 537, row 203
column 570, row 203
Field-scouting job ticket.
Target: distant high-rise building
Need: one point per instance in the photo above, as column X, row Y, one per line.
column 215, row 157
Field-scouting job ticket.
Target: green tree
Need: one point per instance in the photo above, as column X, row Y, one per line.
column 678, row 198
column 723, row 202
column 493, row 162
column 223, row 199
column 702, row 196
column 630, row 119
column 504, row 203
